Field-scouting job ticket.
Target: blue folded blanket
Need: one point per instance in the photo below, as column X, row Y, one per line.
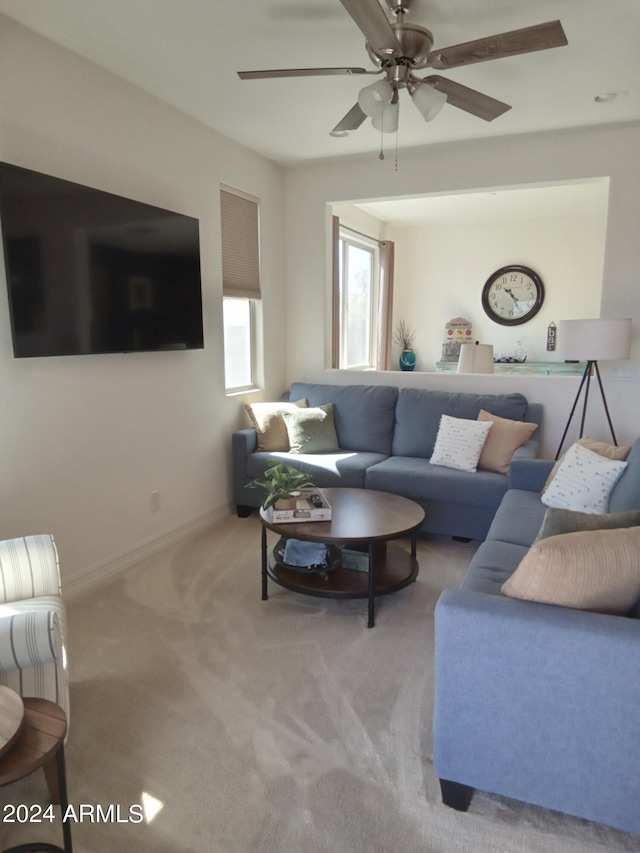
column 299, row 553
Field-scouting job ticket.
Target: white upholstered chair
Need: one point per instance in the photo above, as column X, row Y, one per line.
column 32, row 620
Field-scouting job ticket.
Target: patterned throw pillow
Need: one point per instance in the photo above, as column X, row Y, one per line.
column 311, row 430
column 584, row 481
column 459, row 443
column 611, row 451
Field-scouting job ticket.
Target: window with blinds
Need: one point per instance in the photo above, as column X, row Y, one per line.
column 240, row 240
column 240, row 245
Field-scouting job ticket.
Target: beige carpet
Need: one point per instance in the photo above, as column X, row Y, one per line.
column 283, row 726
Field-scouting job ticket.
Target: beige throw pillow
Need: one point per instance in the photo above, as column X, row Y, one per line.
column 595, row 570
column 503, row 440
column 269, row 423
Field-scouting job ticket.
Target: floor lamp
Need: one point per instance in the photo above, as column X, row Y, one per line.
column 592, row 341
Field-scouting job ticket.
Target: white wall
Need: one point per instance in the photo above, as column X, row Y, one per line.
column 511, row 161
column 84, row 440
column 441, row 268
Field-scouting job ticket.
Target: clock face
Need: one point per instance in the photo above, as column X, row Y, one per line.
column 512, row 295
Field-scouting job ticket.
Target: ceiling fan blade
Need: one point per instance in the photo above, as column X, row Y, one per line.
column 373, row 22
column 526, row 40
column 351, row 121
column 300, row 72
column 467, row 99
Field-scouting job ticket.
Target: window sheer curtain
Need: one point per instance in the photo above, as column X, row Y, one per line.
column 385, row 306
column 385, row 300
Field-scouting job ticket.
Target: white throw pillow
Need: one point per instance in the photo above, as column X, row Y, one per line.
column 584, row 481
column 459, row 443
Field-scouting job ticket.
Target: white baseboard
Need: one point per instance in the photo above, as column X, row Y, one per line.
column 104, row 571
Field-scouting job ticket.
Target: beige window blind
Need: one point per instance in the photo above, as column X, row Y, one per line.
column 240, row 228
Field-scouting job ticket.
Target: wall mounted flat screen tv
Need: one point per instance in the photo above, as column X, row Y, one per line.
column 91, row 272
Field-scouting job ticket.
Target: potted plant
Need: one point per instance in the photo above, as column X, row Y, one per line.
column 280, row 485
column 405, row 336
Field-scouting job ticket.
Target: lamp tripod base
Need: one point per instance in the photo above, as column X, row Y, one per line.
column 592, row 366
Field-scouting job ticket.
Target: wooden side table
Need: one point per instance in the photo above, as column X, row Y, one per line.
column 40, row 744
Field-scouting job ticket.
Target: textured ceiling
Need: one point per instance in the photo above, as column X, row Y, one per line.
column 187, row 52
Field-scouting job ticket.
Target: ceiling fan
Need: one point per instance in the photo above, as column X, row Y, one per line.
column 398, row 49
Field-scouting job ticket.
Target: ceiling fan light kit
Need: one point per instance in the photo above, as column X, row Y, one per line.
column 398, row 49
column 428, row 100
column 387, row 122
column 374, row 98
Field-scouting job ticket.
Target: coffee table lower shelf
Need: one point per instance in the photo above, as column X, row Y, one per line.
column 394, row 571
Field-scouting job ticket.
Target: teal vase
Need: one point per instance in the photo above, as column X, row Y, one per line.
column 407, row 360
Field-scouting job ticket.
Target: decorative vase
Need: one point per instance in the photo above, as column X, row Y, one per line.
column 407, row 360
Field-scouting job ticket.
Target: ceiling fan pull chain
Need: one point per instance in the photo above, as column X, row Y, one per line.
column 397, row 132
column 381, row 154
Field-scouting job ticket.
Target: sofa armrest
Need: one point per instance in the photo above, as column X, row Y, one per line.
column 244, row 442
column 528, row 450
column 29, row 639
column 28, row 568
column 538, row 702
column 529, row 474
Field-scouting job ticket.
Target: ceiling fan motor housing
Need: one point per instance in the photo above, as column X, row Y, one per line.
column 416, row 43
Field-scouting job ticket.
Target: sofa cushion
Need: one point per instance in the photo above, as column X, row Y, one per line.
column 459, row 443
column 419, row 480
column 494, row 563
column 583, row 482
column 504, row 438
column 518, row 518
column 340, row 470
column 311, row 430
column 364, row 415
column 558, row 521
column 595, row 570
column 269, row 424
column 418, row 414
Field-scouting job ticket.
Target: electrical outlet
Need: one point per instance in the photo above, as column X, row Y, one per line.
column 154, row 501
column 624, row 373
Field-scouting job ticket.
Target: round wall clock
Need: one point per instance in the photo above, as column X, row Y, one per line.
column 513, row 295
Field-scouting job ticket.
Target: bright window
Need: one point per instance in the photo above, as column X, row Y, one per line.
column 239, row 343
column 358, row 289
column 240, row 241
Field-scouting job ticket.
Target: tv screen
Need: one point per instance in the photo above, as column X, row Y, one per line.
column 91, row 272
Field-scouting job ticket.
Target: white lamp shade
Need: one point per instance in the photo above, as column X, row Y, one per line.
column 428, row 101
column 476, row 358
column 374, row 98
column 388, row 121
column 594, row 340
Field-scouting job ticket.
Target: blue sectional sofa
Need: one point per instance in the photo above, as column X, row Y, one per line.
column 386, row 436
column 537, row 702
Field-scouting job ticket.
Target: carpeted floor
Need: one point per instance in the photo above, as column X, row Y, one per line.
column 283, row 726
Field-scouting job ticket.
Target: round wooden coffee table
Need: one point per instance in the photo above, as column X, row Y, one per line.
column 360, row 519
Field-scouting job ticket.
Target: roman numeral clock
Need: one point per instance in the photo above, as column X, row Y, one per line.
column 512, row 295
